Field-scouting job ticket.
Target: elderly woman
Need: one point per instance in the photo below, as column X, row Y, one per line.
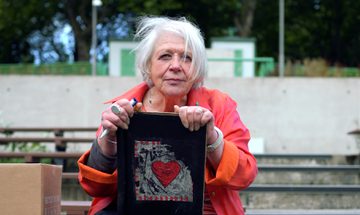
column 172, row 60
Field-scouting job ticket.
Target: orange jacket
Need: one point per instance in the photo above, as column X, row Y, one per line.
column 236, row 171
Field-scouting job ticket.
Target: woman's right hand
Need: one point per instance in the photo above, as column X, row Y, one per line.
column 110, row 121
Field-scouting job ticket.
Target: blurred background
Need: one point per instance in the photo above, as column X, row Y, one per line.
column 321, row 34
column 291, row 65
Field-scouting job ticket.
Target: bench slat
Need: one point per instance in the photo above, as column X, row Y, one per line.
column 46, row 139
column 294, row 156
column 47, row 129
column 332, row 168
column 303, row 212
column 75, row 207
column 70, row 175
column 301, row 188
column 41, row 154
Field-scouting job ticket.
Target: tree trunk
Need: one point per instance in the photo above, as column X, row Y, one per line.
column 336, row 26
column 79, row 15
column 243, row 19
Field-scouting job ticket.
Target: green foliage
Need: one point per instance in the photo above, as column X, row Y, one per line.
column 313, row 29
column 318, row 67
column 77, row 68
column 325, row 29
column 24, row 147
column 213, row 17
column 18, row 19
column 153, row 7
column 20, row 147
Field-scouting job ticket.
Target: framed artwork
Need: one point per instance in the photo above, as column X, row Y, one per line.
column 161, row 166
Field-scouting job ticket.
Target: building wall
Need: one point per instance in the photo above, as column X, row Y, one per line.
column 247, row 49
column 287, row 115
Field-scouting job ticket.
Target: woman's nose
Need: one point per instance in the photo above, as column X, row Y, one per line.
column 176, row 64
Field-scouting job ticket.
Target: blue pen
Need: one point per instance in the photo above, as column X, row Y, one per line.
column 115, row 109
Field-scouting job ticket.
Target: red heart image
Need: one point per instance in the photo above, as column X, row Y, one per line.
column 165, row 172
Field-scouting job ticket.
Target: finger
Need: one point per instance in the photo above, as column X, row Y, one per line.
column 198, row 113
column 138, row 107
column 117, row 116
column 190, row 115
column 121, row 119
column 126, row 106
column 130, row 106
column 120, row 112
column 183, row 117
column 176, row 109
column 206, row 118
column 129, row 109
column 124, row 109
column 109, row 127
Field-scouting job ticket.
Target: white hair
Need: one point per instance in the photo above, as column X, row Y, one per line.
column 149, row 30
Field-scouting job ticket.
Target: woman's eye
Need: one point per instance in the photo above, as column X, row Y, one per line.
column 165, row 56
column 187, row 58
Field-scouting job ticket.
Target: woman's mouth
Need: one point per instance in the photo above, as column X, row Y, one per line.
column 173, row 81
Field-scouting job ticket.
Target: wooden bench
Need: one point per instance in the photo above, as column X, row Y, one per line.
column 303, row 212
column 59, row 138
column 294, row 156
column 313, row 188
column 55, row 130
column 307, row 168
column 281, row 168
column 58, row 135
column 81, row 207
column 303, row 188
column 34, row 157
column 75, row 207
column 56, row 140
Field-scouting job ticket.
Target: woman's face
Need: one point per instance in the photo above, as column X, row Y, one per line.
column 170, row 66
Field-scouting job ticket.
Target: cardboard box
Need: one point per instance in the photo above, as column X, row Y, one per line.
column 32, row 189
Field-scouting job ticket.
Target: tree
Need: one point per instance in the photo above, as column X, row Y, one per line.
column 244, row 17
column 213, row 17
column 313, row 29
column 78, row 15
column 30, row 28
column 18, row 19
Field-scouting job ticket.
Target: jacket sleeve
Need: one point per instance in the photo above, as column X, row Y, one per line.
column 94, row 182
column 237, row 168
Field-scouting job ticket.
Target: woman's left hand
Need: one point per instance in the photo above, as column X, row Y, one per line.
column 194, row 117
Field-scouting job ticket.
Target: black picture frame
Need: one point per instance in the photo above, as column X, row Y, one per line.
column 161, row 166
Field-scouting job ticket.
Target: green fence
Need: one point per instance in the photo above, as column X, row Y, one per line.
column 344, row 72
column 264, row 66
column 301, row 70
column 77, row 68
